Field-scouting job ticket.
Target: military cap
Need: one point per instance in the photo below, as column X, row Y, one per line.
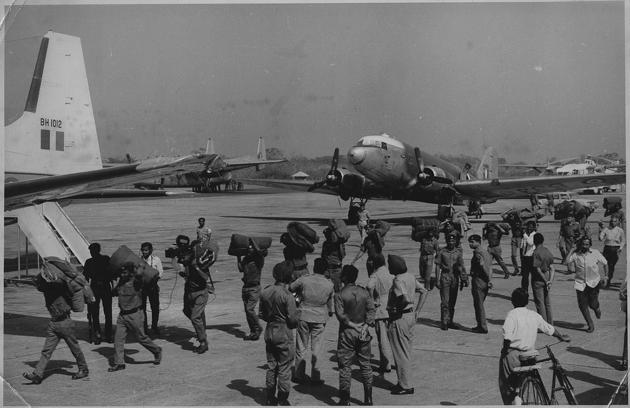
column 396, row 264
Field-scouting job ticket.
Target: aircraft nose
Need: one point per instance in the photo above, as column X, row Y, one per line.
column 356, row 155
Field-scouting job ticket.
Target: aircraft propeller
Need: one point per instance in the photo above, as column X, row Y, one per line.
column 333, row 177
column 423, row 177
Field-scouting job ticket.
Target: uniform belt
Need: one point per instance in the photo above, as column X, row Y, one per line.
column 130, row 311
column 61, row 317
column 407, row 311
column 299, row 268
column 334, row 266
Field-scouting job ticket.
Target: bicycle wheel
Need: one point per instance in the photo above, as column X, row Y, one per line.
column 567, row 388
column 532, row 392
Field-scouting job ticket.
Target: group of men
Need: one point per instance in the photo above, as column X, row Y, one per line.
column 297, row 306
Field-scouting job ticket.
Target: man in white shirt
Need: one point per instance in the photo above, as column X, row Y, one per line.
column 614, row 240
column 152, row 292
column 379, row 284
column 585, row 263
column 527, row 253
column 519, row 335
column 203, row 232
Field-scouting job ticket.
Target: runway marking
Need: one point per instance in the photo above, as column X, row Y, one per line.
column 14, row 391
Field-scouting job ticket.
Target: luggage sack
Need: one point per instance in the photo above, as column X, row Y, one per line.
column 382, row 227
column 80, row 291
column 239, row 244
column 123, row 255
column 340, row 229
column 302, row 235
column 422, row 227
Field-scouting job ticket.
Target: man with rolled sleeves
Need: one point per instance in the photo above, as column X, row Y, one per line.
column 481, row 275
column 614, row 241
column 61, row 326
column 527, row 254
column 316, row 305
column 251, row 266
column 355, row 311
column 97, row 272
column 129, row 292
column 378, row 285
column 277, row 308
column 401, row 321
column 451, row 277
column 493, row 232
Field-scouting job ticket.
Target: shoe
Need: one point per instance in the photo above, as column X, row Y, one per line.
column 158, row 357
column 598, row 313
column 624, row 365
column 155, row 331
column 452, row 325
column 33, row 378
column 385, row 370
column 367, row 395
column 344, row 398
column 444, row 326
column 298, row 380
column 271, row 397
column 203, row 347
column 506, row 276
column 403, row 391
column 252, row 337
column 80, row 374
column 590, row 329
column 317, row 382
column 283, row 398
column 97, row 341
column 117, row 367
column 480, row 330
column 396, row 387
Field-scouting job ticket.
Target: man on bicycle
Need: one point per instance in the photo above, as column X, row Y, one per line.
column 519, row 335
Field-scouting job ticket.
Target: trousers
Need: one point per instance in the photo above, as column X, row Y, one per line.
column 542, row 300
column 56, row 331
column 400, row 334
column 195, row 310
column 250, row 297
column 384, row 348
column 153, row 295
column 611, row 255
column 496, row 253
column 309, row 335
column 133, row 322
column 527, row 263
column 448, row 295
column 479, row 289
column 588, row 298
column 102, row 294
column 348, row 346
column 279, row 347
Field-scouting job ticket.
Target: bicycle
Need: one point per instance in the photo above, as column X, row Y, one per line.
column 531, row 389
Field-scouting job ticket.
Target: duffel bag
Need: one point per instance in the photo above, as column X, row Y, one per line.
column 340, row 229
column 612, row 204
column 303, row 230
column 382, row 227
column 124, row 254
column 80, row 291
column 564, row 209
column 239, row 244
column 422, row 227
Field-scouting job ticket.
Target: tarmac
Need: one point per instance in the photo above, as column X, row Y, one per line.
column 454, row 367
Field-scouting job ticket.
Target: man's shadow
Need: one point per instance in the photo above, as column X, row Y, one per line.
column 609, row 359
column 568, row 325
column 55, row 367
column 242, row 386
column 230, row 328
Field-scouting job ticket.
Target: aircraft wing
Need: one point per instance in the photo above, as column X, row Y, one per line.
column 240, row 163
column 24, row 193
column 296, row 185
column 526, row 186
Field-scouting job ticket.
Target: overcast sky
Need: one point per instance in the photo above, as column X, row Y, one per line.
column 532, row 79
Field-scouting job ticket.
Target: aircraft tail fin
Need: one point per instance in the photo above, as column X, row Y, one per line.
column 210, row 146
column 489, row 166
column 261, row 153
column 56, row 133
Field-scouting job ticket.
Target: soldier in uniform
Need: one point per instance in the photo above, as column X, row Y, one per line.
column 197, row 273
column 251, row 266
column 129, row 292
column 512, row 218
column 449, row 270
column 570, row 231
column 57, row 297
column 355, row 311
column 493, row 233
column 295, row 255
column 333, row 252
column 277, row 308
column 97, row 272
column 316, row 305
column 372, row 245
column 401, row 321
column 481, row 275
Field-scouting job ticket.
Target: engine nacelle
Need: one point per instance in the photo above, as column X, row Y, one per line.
column 435, row 171
column 351, row 185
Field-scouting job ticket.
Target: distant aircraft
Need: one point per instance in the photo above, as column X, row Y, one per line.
column 386, row 168
column 572, row 166
column 212, row 178
column 52, row 154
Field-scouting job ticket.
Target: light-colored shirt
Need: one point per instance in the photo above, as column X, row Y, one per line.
column 317, row 297
column 204, row 232
column 586, row 268
column 155, row 263
column 379, row 285
column 613, row 236
column 521, row 327
column 403, row 284
column 527, row 244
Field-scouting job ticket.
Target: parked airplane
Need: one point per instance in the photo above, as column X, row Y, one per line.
column 212, row 178
column 574, row 165
column 52, row 154
column 386, row 168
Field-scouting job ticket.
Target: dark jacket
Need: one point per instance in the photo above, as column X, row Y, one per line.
column 56, row 295
column 354, row 304
column 98, row 272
